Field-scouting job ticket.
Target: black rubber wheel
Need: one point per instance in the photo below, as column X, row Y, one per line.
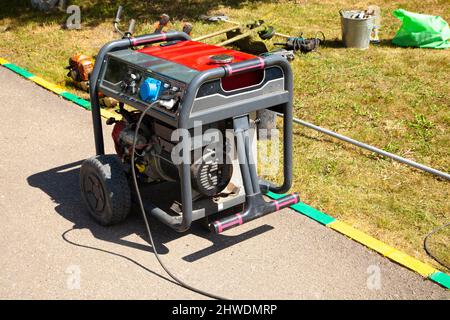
column 105, row 189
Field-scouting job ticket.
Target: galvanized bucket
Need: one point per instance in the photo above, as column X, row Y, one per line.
column 356, row 31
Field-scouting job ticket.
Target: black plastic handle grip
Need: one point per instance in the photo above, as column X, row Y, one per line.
column 158, row 37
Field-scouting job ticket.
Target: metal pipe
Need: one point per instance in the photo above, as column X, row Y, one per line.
column 372, row 149
column 234, row 39
column 217, row 33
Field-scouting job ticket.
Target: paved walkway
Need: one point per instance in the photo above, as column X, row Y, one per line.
column 281, row 256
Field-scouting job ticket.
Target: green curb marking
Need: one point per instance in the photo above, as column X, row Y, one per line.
column 274, row 195
column 67, row 95
column 306, row 210
column 18, row 70
column 314, row 214
column 74, row 98
column 442, row 278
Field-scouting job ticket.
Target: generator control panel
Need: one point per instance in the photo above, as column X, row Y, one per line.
column 163, row 72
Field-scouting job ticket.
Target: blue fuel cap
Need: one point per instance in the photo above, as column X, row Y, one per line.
column 149, row 90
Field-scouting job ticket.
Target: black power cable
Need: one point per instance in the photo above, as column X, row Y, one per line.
column 427, row 249
column 304, row 45
column 141, row 206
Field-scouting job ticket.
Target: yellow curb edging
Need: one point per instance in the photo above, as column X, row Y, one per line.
column 382, row 248
column 47, row 85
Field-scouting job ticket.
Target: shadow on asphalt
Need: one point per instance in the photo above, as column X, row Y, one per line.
column 61, row 184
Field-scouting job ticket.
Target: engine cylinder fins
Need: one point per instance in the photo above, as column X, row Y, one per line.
column 210, row 174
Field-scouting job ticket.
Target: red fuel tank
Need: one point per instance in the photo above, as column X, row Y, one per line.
column 196, row 55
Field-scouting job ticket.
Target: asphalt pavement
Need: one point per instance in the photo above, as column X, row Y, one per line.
column 51, row 248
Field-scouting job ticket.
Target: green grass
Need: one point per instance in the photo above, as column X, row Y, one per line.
column 395, row 98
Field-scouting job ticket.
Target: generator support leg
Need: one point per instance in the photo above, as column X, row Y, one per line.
column 240, row 125
column 256, row 206
column 251, row 162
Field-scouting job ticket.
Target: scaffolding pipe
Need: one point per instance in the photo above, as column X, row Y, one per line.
column 372, row 148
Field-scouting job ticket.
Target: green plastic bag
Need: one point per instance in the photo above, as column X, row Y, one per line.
column 421, row 30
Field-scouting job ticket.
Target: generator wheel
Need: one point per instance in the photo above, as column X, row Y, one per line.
column 105, row 189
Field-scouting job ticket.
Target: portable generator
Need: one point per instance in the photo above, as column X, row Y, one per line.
column 174, row 84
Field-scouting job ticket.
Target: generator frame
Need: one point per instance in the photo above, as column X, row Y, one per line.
column 255, row 205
